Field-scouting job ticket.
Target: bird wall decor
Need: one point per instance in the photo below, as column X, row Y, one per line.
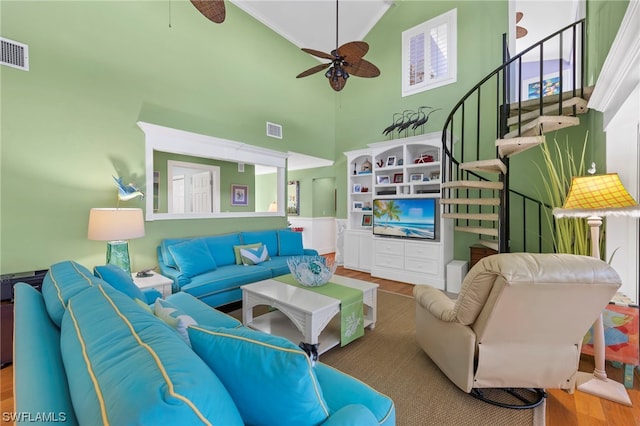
column 127, row 192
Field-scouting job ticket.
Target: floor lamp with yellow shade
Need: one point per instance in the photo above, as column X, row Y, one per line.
column 594, row 197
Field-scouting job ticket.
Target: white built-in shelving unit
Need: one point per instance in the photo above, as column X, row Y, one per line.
column 401, row 168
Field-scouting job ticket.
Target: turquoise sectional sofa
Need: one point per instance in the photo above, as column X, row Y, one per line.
column 87, row 353
column 211, row 269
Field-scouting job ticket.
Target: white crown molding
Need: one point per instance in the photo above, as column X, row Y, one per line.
column 621, row 70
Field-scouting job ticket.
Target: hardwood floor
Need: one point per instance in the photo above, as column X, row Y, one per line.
column 563, row 409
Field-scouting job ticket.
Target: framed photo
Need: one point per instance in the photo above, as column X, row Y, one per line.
column 358, row 205
column 434, row 176
column 384, row 179
column 416, row 177
column 357, row 187
column 239, row 195
column 367, row 219
column 397, row 178
column 391, row 161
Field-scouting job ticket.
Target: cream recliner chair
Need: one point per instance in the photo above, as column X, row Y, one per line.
column 518, row 321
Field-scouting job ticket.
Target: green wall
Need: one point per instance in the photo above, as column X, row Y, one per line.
column 98, row 67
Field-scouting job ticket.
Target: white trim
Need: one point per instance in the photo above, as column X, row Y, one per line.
column 621, row 70
column 160, row 138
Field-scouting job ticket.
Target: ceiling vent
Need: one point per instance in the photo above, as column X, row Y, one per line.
column 274, row 130
column 14, row 54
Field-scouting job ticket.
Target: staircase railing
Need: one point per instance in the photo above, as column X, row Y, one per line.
column 481, row 117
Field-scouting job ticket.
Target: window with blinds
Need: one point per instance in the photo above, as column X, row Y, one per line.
column 429, row 54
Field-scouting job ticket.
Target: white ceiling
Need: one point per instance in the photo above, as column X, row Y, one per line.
column 312, row 23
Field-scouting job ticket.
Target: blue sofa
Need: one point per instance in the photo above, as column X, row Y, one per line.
column 87, row 353
column 211, row 269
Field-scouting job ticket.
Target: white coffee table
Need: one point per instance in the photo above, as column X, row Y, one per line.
column 302, row 315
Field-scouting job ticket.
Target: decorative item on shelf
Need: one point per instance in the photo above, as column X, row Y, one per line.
column 593, row 197
column 434, row 176
column 367, row 219
column 357, row 188
column 366, row 206
column 397, row 178
column 311, row 271
column 400, row 162
column 380, row 164
column 357, row 205
column 127, row 192
column 365, row 189
column 424, row 158
column 116, row 226
column 409, row 119
column 391, row 161
column 416, row 177
column 383, row 180
column 366, row 167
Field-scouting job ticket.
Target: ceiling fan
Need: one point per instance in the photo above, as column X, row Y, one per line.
column 520, row 31
column 213, row 10
column 346, row 60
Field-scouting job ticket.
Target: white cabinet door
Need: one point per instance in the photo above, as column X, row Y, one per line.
column 351, row 250
column 366, row 251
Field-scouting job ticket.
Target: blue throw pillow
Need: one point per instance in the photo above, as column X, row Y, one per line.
column 278, row 385
column 117, row 278
column 193, row 257
column 290, row 243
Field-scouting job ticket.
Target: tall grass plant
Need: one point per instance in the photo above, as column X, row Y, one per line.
column 561, row 164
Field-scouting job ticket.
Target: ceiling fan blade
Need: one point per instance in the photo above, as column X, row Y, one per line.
column 353, row 50
column 318, row 53
column 521, row 31
column 337, row 84
column 362, row 68
column 213, row 10
column 313, row 70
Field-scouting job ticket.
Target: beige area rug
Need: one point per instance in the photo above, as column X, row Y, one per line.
column 390, row 360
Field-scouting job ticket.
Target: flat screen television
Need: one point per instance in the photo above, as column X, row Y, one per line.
column 406, row 217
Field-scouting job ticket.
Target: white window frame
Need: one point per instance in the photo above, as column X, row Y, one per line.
column 450, row 19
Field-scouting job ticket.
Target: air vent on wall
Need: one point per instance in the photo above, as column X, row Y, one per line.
column 274, row 130
column 14, row 54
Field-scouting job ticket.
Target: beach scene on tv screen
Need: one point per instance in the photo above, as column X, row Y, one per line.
column 409, row 218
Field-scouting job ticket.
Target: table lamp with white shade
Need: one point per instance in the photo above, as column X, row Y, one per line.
column 593, row 197
column 116, row 226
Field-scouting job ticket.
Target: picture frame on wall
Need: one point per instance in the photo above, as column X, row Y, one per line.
column 239, row 195
column 367, row 219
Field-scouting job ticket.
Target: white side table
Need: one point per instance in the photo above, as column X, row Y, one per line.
column 157, row 281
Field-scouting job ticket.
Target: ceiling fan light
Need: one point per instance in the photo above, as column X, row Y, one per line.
column 345, row 75
column 329, row 73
